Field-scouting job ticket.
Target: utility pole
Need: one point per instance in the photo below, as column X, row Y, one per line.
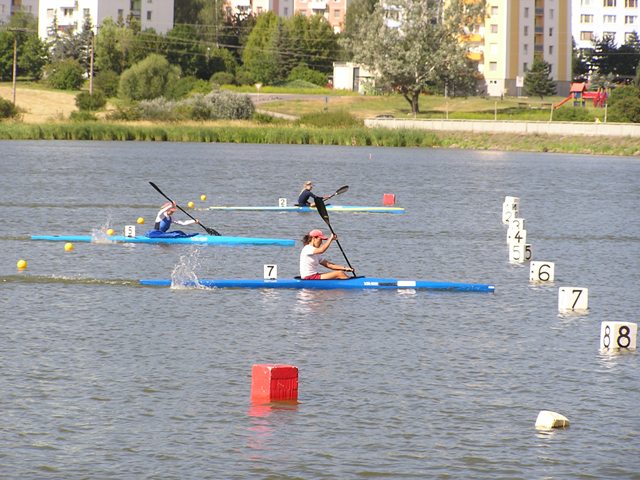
column 15, row 58
column 93, row 48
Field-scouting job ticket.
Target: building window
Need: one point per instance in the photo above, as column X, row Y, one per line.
column 525, row 48
column 303, row 12
column 336, row 14
column 631, row 3
column 630, row 19
column 629, row 37
column 86, row 12
column 494, row 11
column 551, row 13
column 259, row 10
column 609, row 3
column 551, row 32
column 493, row 66
column 586, row 35
column 67, row 12
column 148, row 14
column 286, row 11
column 609, row 36
column 550, row 49
column 585, row 3
column 526, row 30
column 494, row 28
column 525, row 67
column 609, row 19
column 120, row 15
column 586, row 18
column 526, row 12
column 149, row 1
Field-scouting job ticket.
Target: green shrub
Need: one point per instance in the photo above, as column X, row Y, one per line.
column 300, row 85
column 65, row 74
column 107, row 81
column 7, row 109
column 337, row 119
column 153, row 77
column 159, row 109
column 222, row 78
column 188, row 85
column 573, row 114
column 244, row 77
column 303, row 72
column 90, row 103
column 126, row 113
column 82, row 116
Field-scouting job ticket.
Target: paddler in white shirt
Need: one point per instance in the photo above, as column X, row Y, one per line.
column 164, row 219
column 311, row 258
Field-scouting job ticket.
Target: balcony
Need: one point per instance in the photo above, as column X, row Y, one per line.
column 318, row 7
column 475, row 56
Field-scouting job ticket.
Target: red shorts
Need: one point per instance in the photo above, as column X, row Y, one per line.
column 315, row 276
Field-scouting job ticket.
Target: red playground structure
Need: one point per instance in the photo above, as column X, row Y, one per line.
column 579, row 94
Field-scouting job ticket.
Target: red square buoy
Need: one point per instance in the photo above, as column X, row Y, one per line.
column 388, row 199
column 274, row 383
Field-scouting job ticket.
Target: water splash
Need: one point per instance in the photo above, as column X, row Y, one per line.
column 184, row 273
column 99, row 234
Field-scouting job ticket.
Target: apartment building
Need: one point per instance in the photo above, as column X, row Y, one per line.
column 10, row 7
column 518, row 31
column 334, row 11
column 597, row 19
column 69, row 15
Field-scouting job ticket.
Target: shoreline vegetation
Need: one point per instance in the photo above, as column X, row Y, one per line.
column 45, row 116
column 246, row 132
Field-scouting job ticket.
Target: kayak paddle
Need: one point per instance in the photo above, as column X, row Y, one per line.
column 340, row 191
column 322, row 210
column 210, row 231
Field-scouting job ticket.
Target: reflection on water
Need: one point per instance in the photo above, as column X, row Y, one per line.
column 266, row 420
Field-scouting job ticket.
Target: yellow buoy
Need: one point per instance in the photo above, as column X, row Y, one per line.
column 203, row 197
column 22, row 264
column 190, row 204
column 110, row 232
column 140, row 220
column 68, row 247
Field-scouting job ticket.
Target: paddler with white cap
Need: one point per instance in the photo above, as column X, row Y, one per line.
column 311, row 258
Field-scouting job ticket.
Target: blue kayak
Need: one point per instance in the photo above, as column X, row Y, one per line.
column 331, row 208
column 189, row 240
column 356, row 283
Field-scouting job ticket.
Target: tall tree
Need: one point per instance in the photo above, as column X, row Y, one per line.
column 406, row 52
column 538, row 81
column 261, row 57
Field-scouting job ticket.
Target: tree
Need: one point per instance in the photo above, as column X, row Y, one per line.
column 31, row 53
column 538, row 81
column 624, row 104
column 407, row 53
column 261, row 56
column 151, row 78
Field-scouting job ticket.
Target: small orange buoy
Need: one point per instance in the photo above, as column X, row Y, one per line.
column 68, row 247
column 388, row 199
column 140, row 220
column 22, row 264
column 203, row 197
column 190, row 204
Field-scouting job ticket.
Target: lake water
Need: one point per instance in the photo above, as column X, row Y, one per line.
column 103, row 378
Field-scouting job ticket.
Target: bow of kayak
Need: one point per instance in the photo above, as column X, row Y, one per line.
column 195, row 239
column 357, row 283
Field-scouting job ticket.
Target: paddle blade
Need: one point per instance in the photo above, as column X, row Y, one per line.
column 342, row 190
column 212, row 231
column 322, row 210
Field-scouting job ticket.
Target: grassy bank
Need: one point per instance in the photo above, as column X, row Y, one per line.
column 355, row 136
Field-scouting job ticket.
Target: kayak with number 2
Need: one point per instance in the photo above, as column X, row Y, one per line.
column 354, row 283
column 295, row 208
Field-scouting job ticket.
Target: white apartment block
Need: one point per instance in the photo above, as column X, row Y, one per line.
column 69, row 15
column 598, row 19
column 518, row 31
column 9, row 7
column 282, row 8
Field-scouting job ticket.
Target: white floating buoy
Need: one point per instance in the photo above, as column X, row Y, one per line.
column 282, row 202
column 516, row 236
column 573, row 298
column 517, row 222
column 130, row 231
column 542, row 272
column 270, row 272
column 510, row 208
column 547, row 420
column 618, row 335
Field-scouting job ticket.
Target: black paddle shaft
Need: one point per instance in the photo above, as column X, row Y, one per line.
column 210, row 231
column 322, row 210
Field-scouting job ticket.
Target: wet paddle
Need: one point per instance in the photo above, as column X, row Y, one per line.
column 340, row 191
column 210, row 231
column 322, row 210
